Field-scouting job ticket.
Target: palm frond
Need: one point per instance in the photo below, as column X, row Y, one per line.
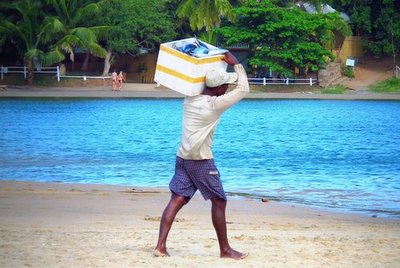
column 33, row 53
column 52, row 57
column 97, row 50
column 185, row 8
column 205, row 13
column 2, row 41
column 12, row 30
column 67, row 43
column 101, row 32
column 89, row 10
column 84, row 34
column 52, row 27
column 209, row 37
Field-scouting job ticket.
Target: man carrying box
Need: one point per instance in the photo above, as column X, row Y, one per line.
column 195, row 168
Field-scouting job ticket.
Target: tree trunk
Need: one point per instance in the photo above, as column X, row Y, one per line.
column 318, row 6
column 393, row 48
column 72, row 58
column 107, row 63
column 85, row 62
column 31, row 74
column 394, row 56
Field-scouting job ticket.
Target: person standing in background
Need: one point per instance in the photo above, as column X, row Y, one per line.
column 121, row 80
column 114, row 76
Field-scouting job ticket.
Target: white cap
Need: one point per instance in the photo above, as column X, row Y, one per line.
column 219, row 77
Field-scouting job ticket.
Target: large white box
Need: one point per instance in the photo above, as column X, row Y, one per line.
column 183, row 73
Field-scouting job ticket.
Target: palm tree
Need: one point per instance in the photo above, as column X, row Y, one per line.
column 210, row 37
column 205, row 13
column 317, row 4
column 30, row 32
column 76, row 31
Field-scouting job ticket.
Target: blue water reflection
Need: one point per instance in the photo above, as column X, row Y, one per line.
column 333, row 154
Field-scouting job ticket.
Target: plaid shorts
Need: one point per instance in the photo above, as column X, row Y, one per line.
column 191, row 175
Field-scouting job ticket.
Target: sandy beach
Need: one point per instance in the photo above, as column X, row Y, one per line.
column 132, row 90
column 78, row 225
column 69, row 225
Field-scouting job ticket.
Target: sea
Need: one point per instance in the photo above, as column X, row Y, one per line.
column 333, row 155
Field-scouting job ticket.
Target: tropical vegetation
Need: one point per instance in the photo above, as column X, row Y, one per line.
column 204, row 13
column 282, row 39
column 280, row 35
column 137, row 25
column 376, row 21
column 28, row 30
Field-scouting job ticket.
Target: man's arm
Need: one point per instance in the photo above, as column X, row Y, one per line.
column 230, row 59
column 227, row 100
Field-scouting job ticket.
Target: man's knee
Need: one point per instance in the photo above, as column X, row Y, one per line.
column 218, row 202
column 179, row 200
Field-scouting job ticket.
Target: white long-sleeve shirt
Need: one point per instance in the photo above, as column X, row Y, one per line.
column 201, row 115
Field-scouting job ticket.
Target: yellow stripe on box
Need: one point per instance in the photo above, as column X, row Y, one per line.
column 188, row 58
column 180, row 75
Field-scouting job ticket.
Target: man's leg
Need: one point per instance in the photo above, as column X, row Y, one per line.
column 168, row 216
column 219, row 222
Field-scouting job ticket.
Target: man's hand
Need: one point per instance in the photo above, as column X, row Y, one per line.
column 230, row 59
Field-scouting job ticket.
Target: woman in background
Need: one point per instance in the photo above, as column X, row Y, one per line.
column 121, row 80
column 114, row 80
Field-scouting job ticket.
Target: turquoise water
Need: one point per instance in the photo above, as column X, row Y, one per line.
column 342, row 155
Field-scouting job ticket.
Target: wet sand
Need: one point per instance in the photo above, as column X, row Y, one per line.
column 70, row 225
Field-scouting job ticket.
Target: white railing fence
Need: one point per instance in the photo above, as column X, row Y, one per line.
column 44, row 70
column 283, row 81
column 24, row 70
column 254, row 81
column 397, row 71
column 85, row 77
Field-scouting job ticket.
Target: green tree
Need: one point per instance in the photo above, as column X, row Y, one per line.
column 30, row 31
column 137, row 25
column 205, row 13
column 377, row 22
column 360, row 14
column 77, row 29
column 282, row 39
column 387, row 30
column 339, row 24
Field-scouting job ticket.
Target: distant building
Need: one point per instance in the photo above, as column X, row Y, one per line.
column 325, row 9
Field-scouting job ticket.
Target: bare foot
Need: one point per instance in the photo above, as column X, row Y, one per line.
column 233, row 254
column 158, row 253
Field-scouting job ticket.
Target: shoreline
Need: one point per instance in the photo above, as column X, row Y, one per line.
column 232, row 197
column 133, row 90
column 86, row 225
column 373, row 213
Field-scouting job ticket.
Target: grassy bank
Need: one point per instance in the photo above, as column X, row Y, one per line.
column 391, row 85
column 284, row 88
column 337, row 89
